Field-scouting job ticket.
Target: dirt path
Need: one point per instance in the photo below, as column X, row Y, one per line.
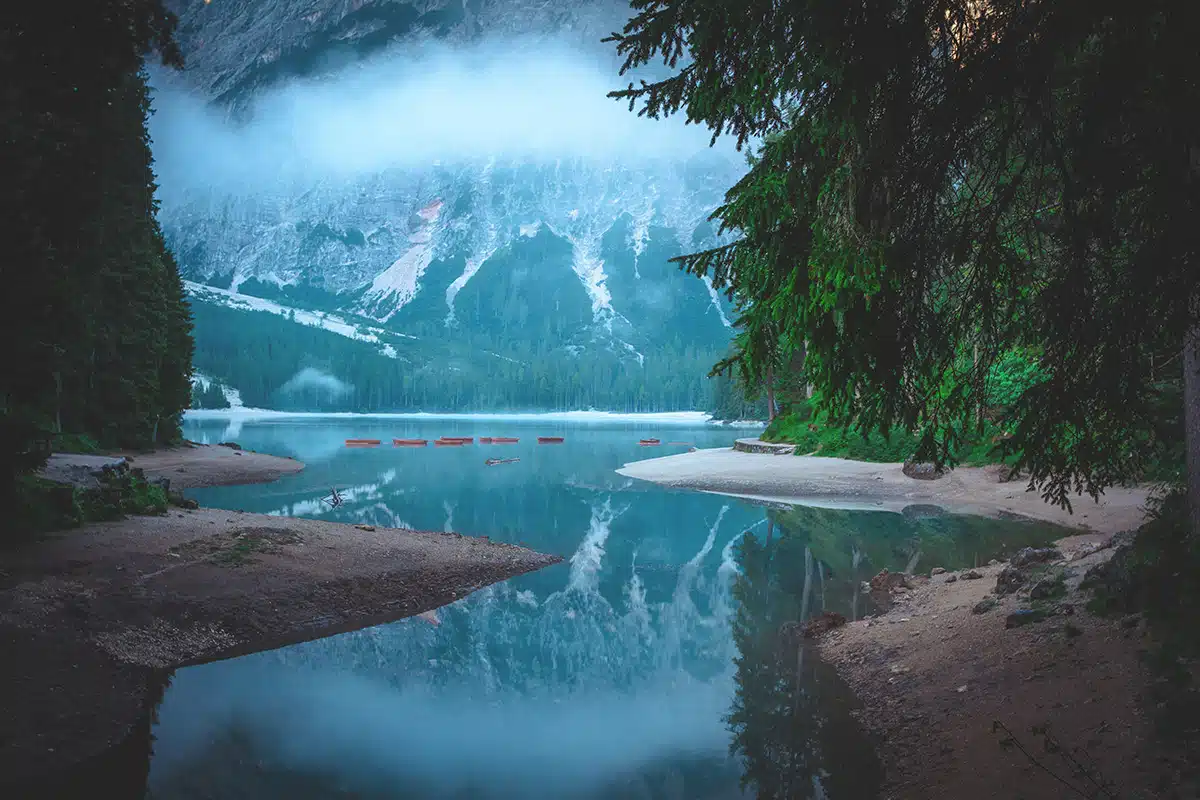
column 934, row 677
column 840, row 483
column 93, row 620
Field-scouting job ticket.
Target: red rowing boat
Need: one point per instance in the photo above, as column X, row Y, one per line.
column 550, row 440
column 362, row 442
column 449, row 443
column 649, row 442
column 410, row 442
column 463, row 439
column 504, row 440
column 485, row 440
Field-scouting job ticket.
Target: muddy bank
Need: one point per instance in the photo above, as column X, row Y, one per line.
column 92, row 620
column 938, row 679
column 839, row 483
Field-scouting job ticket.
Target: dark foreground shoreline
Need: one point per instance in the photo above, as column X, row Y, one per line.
column 93, row 621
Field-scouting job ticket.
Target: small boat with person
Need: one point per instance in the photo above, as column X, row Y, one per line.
column 649, row 442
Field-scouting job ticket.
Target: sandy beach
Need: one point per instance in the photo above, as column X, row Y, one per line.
column 839, row 483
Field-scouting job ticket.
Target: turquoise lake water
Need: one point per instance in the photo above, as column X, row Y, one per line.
column 659, row 660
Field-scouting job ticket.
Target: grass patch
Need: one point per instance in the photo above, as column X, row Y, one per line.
column 237, row 548
column 816, row 434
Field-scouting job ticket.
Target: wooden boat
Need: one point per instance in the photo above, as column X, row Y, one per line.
column 463, row 439
column 504, row 440
column 410, row 442
column 649, row 442
column 550, row 440
column 362, row 442
column 491, row 462
column 449, row 443
column 485, row 440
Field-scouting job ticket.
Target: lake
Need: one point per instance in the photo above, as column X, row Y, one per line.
column 659, row 660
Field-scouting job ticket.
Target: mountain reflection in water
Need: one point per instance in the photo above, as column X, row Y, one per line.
column 662, row 659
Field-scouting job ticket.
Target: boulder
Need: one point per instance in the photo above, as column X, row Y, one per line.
column 1023, row 616
column 1034, row 555
column 937, row 571
column 1010, row 580
column 889, row 581
column 1006, row 474
column 823, row 623
column 985, row 605
column 951, row 578
column 922, row 470
column 1046, row 588
column 971, row 575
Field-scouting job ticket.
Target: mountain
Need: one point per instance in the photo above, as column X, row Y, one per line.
column 439, row 201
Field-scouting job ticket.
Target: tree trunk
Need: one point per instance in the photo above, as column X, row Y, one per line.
column 58, row 401
column 770, row 396
column 1191, row 422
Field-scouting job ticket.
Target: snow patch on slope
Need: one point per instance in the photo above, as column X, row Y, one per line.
column 716, row 301
column 639, row 233
column 313, row 319
column 393, row 288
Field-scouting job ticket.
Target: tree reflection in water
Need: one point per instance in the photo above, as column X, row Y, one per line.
column 791, row 719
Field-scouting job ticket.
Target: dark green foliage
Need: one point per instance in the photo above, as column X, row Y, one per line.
column 210, row 397
column 942, row 184
column 93, row 313
column 38, row 506
column 74, row 443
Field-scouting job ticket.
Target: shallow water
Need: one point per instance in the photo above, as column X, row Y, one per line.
column 656, row 662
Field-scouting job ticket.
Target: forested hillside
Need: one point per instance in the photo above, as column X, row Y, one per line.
column 93, row 311
column 275, row 363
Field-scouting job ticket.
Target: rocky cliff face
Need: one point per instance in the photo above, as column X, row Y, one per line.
column 236, row 47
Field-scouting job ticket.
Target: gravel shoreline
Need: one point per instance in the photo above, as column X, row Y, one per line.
column 94, row 620
column 938, row 671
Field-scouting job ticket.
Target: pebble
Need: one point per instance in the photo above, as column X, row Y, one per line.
column 961, row 689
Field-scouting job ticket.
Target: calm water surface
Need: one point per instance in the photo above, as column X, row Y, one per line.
column 660, row 660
